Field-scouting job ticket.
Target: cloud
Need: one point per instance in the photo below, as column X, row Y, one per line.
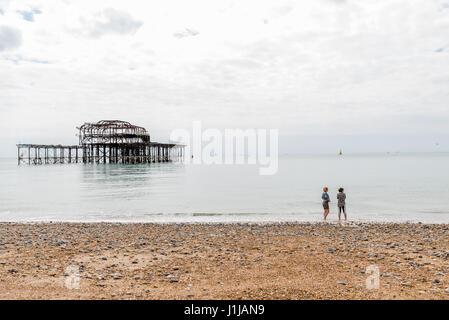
column 10, row 38
column 283, row 10
column 186, row 33
column 28, row 15
column 19, row 58
column 4, row 4
column 114, row 22
column 315, row 67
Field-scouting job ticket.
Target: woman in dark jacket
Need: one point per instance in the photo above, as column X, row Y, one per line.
column 341, row 197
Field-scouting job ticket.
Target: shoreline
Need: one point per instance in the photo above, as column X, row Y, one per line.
column 285, row 260
column 250, row 222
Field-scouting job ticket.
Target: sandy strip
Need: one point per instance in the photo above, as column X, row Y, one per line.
column 223, row 261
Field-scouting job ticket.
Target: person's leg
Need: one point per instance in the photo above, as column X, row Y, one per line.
column 344, row 211
column 326, row 212
column 339, row 213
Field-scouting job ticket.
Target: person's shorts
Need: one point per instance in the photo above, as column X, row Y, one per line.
column 326, row 205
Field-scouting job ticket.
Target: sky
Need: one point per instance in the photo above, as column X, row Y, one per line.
column 369, row 75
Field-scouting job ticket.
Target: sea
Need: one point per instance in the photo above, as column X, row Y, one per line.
column 384, row 187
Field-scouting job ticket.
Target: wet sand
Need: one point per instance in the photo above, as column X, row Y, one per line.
column 223, row 261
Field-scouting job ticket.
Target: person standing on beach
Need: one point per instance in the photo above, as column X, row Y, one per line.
column 326, row 200
column 341, row 197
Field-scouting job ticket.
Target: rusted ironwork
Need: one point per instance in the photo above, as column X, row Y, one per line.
column 106, row 141
column 112, row 131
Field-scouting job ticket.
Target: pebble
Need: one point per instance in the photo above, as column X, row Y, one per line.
column 422, row 262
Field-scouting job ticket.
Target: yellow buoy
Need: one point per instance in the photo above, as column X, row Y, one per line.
column 341, row 152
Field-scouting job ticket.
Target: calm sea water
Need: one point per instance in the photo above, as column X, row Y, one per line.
column 379, row 187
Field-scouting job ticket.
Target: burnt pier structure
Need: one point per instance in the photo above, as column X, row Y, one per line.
column 106, row 141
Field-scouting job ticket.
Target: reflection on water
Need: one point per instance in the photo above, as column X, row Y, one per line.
column 124, row 183
column 379, row 187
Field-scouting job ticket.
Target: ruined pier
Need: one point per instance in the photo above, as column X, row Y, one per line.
column 107, row 141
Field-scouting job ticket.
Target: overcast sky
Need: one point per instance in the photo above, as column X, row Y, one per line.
column 364, row 75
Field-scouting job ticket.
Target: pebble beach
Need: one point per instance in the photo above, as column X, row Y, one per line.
column 223, row 261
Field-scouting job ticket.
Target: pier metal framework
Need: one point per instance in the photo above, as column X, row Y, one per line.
column 106, row 141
